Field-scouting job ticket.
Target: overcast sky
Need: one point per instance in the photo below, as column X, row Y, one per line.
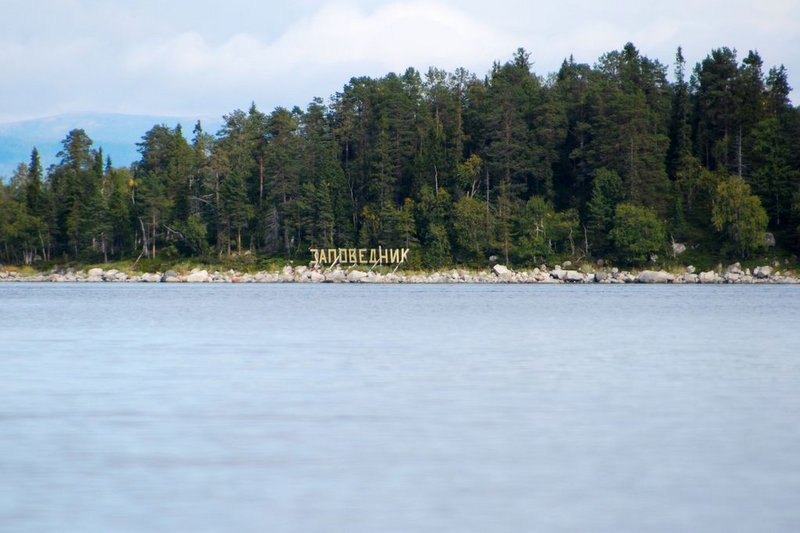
column 199, row 58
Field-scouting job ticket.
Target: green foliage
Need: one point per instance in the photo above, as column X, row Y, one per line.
column 472, row 226
column 607, row 193
column 739, row 215
column 584, row 163
column 545, row 233
column 637, row 233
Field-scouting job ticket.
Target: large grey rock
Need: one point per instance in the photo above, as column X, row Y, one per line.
column 198, row 276
column 573, row 276
column 95, row 272
column 678, row 248
column 650, row 276
column 315, row 276
column 356, row 276
column 691, row 278
column 735, row 268
column 708, row 277
column 150, row 277
column 109, row 275
column 600, row 277
column 287, row 270
column 170, row 276
column 732, row 277
column 762, row 272
column 336, row 276
column 769, row 240
column 501, row 271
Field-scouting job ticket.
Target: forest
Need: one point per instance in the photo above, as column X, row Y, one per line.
column 613, row 161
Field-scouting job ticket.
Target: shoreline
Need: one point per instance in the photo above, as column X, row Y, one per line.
column 733, row 274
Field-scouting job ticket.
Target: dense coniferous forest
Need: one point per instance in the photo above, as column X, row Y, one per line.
column 609, row 161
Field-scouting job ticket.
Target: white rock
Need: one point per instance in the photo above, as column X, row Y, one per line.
column 356, row 276
column 336, row 276
column 501, row 271
column 708, row 277
column 95, row 272
column 762, row 272
column 201, row 276
column 735, row 268
column 649, row 276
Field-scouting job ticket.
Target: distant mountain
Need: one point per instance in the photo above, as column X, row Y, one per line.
column 117, row 134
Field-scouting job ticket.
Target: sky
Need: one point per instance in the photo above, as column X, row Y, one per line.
column 200, row 58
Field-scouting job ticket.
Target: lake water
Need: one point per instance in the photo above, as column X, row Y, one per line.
column 400, row 408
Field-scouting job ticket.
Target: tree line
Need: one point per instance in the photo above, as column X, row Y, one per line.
column 607, row 161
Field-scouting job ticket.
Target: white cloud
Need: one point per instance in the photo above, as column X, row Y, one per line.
column 197, row 57
column 390, row 38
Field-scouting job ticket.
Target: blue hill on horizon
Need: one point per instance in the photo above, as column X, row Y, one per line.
column 116, row 134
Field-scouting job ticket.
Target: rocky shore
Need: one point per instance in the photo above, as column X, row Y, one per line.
column 497, row 274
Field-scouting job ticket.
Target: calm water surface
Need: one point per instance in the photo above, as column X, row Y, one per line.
column 319, row 408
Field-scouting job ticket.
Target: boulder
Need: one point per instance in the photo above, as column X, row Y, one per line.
column 708, row 277
column 735, row 268
column 336, row 276
column 600, row 277
column 501, row 271
column 649, row 276
column 355, row 276
column 762, row 272
column 170, row 276
column 732, row 277
column 691, row 269
column 110, row 274
column 95, row 272
column 690, row 278
column 315, row 277
column 149, row 277
column 558, row 273
column 769, row 240
column 199, row 276
column 573, row 276
column 678, row 248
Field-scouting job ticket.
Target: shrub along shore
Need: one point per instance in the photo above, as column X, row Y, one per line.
column 734, row 273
